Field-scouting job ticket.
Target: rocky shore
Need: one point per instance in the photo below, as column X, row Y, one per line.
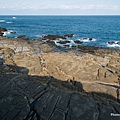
column 39, row 81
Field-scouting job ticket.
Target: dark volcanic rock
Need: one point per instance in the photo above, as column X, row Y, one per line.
column 118, row 43
column 111, row 43
column 90, row 39
column 22, row 37
column 2, row 30
column 24, row 97
column 66, row 45
column 52, row 37
column 12, row 32
column 78, row 42
column 1, row 34
column 69, row 35
column 63, row 42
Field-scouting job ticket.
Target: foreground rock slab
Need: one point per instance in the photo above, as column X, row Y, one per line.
column 24, row 97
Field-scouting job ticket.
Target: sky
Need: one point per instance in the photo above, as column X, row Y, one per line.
column 59, row 7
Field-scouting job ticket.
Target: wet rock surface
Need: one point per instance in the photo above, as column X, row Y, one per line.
column 2, row 30
column 114, row 43
column 63, row 42
column 39, row 83
column 111, row 43
column 52, row 37
column 77, row 42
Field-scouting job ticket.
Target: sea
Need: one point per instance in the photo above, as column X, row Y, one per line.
column 103, row 29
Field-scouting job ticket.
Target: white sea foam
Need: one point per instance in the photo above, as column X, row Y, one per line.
column 2, row 21
column 114, row 44
column 72, row 43
column 14, row 17
column 8, row 22
column 93, row 39
column 8, row 32
column 61, row 45
column 87, row 39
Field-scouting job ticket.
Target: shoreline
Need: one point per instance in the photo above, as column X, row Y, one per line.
column 102, row 34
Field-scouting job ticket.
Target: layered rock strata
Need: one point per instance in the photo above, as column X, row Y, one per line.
column 41, row 83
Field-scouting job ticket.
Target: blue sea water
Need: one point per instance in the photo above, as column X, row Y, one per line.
column 102, row 28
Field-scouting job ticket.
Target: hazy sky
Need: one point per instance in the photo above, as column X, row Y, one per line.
column 60, row 7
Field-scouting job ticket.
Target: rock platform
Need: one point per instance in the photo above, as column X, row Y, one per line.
column 41, row 82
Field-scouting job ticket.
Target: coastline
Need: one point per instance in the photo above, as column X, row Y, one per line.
column 105, row 30
column 32, row 68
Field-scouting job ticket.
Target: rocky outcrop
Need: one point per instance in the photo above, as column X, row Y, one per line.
column 2, row 30
column 116, row 43
column 78, row 42
column 26, row 97
column 111, row 43
column 39, row 82
column 63, row 42
column 52, row 37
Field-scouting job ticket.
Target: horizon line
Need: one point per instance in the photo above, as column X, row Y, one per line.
column 59, row 15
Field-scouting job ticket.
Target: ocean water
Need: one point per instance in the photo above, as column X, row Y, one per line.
column 102, row 28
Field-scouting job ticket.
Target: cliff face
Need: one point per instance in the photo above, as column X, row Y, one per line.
column 37, row 82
